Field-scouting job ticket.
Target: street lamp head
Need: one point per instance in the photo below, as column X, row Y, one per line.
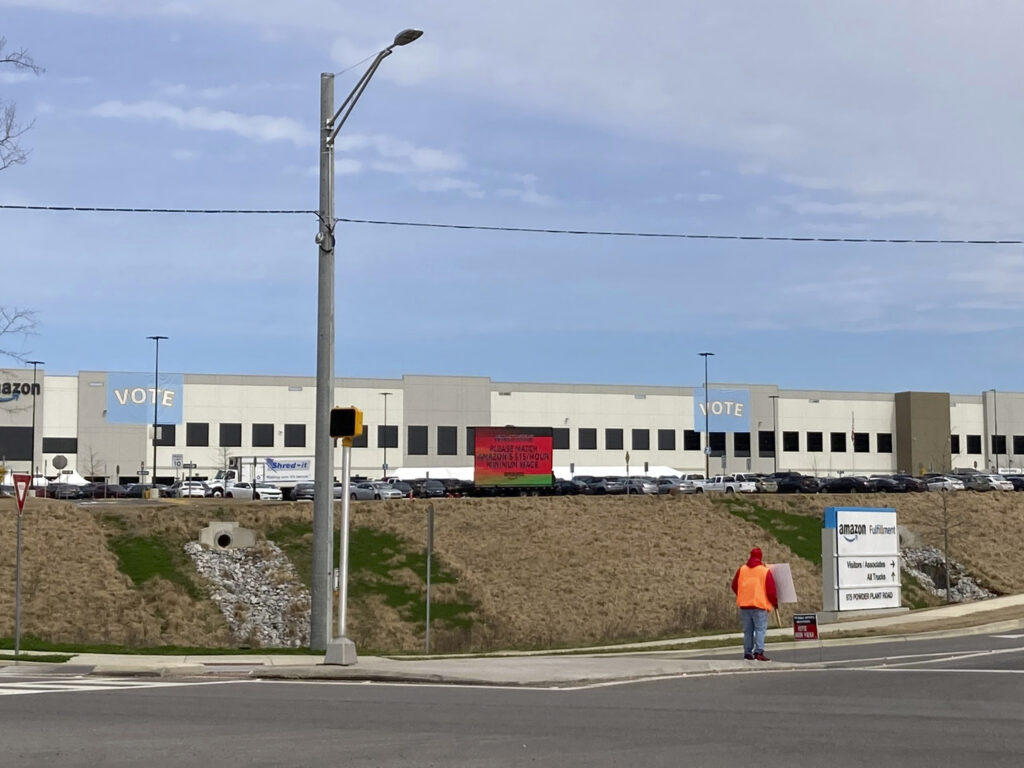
column 706, row 354
column 407, row 36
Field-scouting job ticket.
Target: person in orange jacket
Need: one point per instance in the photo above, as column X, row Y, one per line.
column 755, row 596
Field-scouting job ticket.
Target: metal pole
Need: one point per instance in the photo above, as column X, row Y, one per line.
column 430, row 550
column 385, row 435
column 707, row 432
column 323, row 459
column 775, row 432
column 341, row 650
column 17, row 589
column 156, row 401
column 995, row 419
column 32, row 461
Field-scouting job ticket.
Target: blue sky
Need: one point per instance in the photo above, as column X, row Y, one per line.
column 874, row 119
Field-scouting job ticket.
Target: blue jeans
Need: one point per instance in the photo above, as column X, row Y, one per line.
column 755, row 627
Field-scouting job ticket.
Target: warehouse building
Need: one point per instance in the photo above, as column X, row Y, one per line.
column 101, row 423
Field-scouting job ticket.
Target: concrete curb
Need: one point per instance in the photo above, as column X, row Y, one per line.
column 135, row 670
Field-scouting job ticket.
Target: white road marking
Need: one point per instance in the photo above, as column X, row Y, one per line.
column 80, row 684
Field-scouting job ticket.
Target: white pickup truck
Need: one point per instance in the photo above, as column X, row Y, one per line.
column 725, row 484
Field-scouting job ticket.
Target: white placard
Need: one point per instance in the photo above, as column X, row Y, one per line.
column 785, row 591
column 866, row 532
column 869, row 597
column 874, row 572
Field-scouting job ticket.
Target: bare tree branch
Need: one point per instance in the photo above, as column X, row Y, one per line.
column 15, row 322
column 11, row 151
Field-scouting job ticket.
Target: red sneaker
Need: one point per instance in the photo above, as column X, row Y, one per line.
column 761, row 657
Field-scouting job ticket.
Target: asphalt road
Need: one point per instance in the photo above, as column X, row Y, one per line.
column 926, row 702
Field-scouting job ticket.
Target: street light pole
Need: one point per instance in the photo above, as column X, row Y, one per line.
column 385, row 432
column 995, row 428
column 707, row 432
column 32, row 459
column 156, row 401
column 775, row 432
column 341, row 651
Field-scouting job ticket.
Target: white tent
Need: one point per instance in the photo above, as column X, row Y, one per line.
column 72, row 478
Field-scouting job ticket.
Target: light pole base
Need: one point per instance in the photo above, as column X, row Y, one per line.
column 341, row 651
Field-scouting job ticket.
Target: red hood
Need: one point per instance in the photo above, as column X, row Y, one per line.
column 754, row 561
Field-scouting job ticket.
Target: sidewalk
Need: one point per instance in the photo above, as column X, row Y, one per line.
column 668, row 658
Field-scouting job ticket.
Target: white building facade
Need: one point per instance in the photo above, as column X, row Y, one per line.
column 102, row 424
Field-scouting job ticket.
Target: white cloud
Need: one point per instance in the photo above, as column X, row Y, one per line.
column 709, row 197
column 447, row 184
column 527, row 192
column 258, row 127
column 184, row 154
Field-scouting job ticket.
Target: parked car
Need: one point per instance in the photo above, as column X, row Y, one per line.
column 362, row 492
column 428, row 489
column 609, row 485
column 944, row 483
column 986, row 483
column 1017, row 481
column 560, row 487
column 640, row 485
column 794, row 482
column 140, row 490
column 666, row 483
column 303, row 491
column 847, row 484
column 401, row 485
column 885, row 484
column 910, row 483
column 187, row 489
column 64, row 491
column 262, row 492
column 103, row 490
column 384, row 490
column 725, row 484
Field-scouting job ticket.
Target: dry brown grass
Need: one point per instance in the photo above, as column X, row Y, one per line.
column 541, row 571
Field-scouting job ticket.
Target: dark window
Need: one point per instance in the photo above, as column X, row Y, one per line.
column 447, row 441
column 294, row 435
column 262, row 435
column 587, row 437
column 417, row 441
column 560, row 438
column 230, row 435
column 641, row 440
column 362, row 440
column 16, row 443
column 791, row 441
column 613, row 439
column 165, row 434
column 691, row 440
column 387, row 436
column 837, row 442
column 197, row 434
column 765, row 443
column 741, row 444
column 815, row 442
column 954, row 443
column 1018, row 445
column 471, row 441
column 974, row 444
column 666, row 439
column 717, row 442
column 861, row 442
column 998, row 444
column 883, row 442
column 67, row 444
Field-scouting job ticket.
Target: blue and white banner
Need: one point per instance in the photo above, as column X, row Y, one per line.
column 130, row 398
column 728, row 410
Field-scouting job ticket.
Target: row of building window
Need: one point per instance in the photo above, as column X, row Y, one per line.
column 197, row 434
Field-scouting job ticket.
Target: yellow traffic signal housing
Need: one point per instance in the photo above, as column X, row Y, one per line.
column 346, row 422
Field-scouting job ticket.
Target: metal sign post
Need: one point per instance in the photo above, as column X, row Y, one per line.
column 21, row 485
column 430, row 549
column 341, row 650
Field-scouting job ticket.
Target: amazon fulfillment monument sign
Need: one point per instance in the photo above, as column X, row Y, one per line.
column 860, row 559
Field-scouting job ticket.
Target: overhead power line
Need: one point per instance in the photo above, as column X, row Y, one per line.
column 533, row 230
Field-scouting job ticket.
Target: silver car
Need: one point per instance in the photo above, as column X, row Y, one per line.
column 386, row 491
column 943, row 483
